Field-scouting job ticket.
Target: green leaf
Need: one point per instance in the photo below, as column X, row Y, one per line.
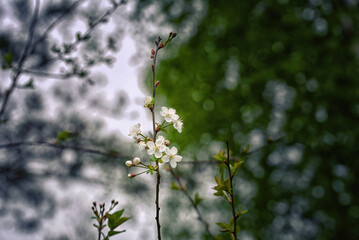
column 78, row 36
column 115, row 219
column 30, row 84
column 217, row 180
column 236, row 166
column 65, row 135
column 175, row 186
column 197, row 199
column 8, row 59
column 224, row 227
column 220, row 156
column 112, row 233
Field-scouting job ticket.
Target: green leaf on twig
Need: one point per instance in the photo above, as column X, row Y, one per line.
column 115, row 219
column 197, row 200
column 175, row 186
column 65, row 135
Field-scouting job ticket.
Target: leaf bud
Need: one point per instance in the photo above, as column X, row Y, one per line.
column 153, row 52
column 157, row 83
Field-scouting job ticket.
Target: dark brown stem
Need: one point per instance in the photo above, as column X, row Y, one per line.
column 232, row 194
column 183, row 189
column 157, row 201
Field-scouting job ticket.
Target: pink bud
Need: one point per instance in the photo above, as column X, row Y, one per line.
column 153, row 52
column 157, row 83
column 131, row 175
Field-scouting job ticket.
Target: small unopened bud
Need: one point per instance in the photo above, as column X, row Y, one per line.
column 138, row 140
column 161, row 45
column 136, row 160
column 94, row 203
column 149, row 139
column 152, row 56
column 153, row 52
column 174, row 35
column 131, row 175
column 167, row 143
column 171, row 34
column 128, row 163
column 113, row 201
column 153, row 67
column 157, row 83
column 158, row 128
column 101, row 205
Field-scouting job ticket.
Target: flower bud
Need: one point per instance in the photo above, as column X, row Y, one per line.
column 158, row 128
column 167, row 143
column 174, row 35
column 153, row 52
column 152, row 56
column 157, row 83
column 94, row 203
column 128, row 163
column 136, row 160
column 161, row 45
column 131, row 175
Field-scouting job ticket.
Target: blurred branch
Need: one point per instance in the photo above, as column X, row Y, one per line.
column 63, row 146
column 194, row 205
column 54, row 23
column 17, row 71
column 244, row 152
column 88, row 32
column 47, row 74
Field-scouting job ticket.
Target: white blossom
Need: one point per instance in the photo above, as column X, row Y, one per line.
column 136, row 160
column 128, row 163
column 148, row 100
column 156, row 148
column 177, row 124
column 169, row 114
column 171, row 156
column 142, row 145
column 135, row 130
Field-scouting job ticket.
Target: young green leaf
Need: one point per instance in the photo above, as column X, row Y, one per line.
column 197, row 200
column 112, row 233
column 175, row 186
column 65, row 135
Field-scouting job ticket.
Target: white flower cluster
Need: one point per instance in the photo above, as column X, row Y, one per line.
column 158, row 147
column 171, row 116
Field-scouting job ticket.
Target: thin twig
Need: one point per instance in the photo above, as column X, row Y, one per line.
column 88, row 32
column 228, row 164
column 61, row 146
column 184, row 190
column 154, row 140
column 17, row 71
column 47, row 74
column 62, row 16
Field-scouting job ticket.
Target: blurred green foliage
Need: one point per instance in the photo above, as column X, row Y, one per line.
column 284, row 69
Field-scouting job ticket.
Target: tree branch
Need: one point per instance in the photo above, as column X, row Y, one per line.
column 61, row 146
column 184, row 190
column 17, row 71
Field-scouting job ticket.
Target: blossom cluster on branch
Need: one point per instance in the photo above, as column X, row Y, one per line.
column 158, row 149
